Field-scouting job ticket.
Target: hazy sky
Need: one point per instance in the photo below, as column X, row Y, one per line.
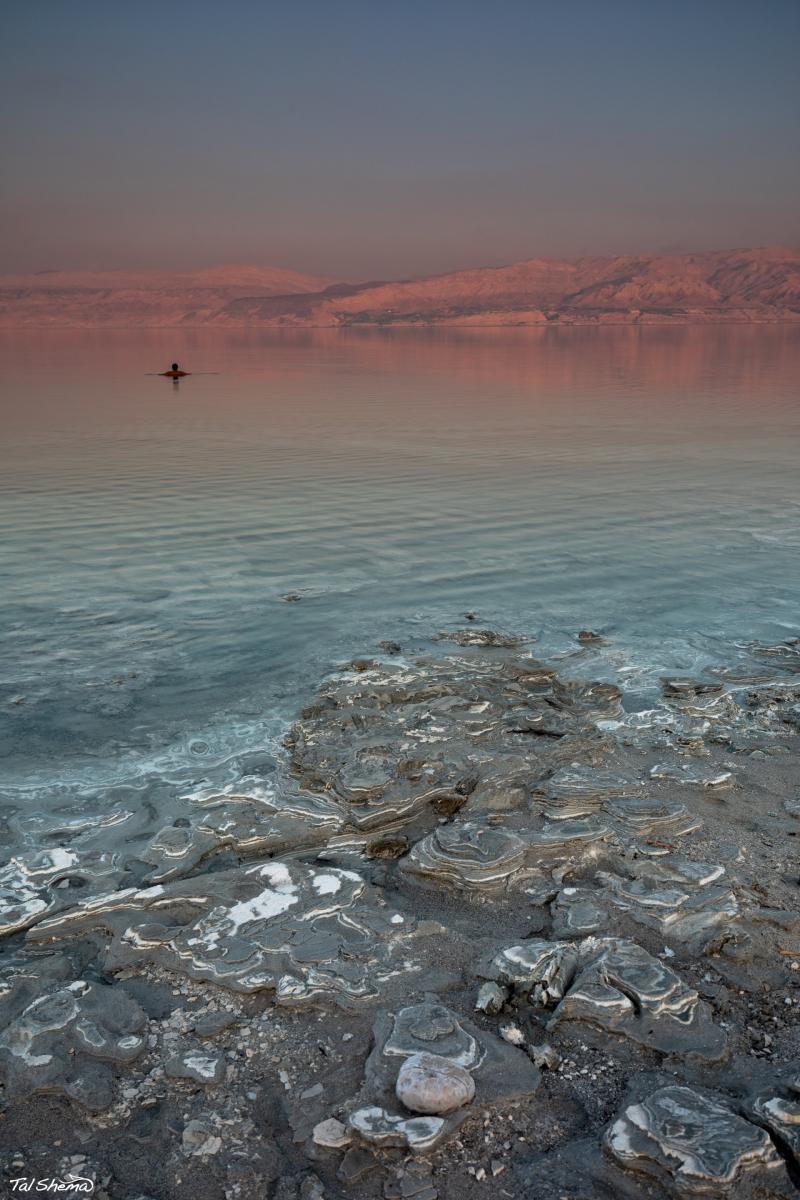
column 383, row 139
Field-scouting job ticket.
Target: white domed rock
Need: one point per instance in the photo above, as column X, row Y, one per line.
column 428, row 1083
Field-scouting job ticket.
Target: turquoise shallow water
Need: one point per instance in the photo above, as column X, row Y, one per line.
column 643, row 483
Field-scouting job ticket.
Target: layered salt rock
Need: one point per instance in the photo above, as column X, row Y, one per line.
column 652, row 817
column 537, row 968
column 468, row 855
column 622, row 989
column 429, row 1083
column 399, row 743
column 260, row 823
column 478, row 856
column 475, row 1065
column 692, row 774
column 383, row 1128
column 32, row 886
column 574, row 912
column 578, row 790
column 779, row 1113
column 681, row 688
column 481, row 637
column 688, row 906
column 674, row 869
column 576, row 841
column 431, row 1029
column 308, row 934
column 695, row 1145
column 614, row 985
column 68, row 1039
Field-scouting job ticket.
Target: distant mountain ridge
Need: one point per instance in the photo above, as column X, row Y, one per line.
column 86, row 299
column 761, row 284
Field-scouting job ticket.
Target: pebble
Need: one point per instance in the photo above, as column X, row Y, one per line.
column 491, row 998
column 331, row 1134
column 199, row 1141
column 201, row 1068
column 544, row 1055
column 212, row 1024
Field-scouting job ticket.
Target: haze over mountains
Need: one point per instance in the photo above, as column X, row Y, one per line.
column 739, row 285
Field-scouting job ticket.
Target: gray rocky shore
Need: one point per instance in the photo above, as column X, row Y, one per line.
column 483, row 930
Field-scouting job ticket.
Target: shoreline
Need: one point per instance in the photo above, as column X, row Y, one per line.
column 431, row 812
column 644, row 321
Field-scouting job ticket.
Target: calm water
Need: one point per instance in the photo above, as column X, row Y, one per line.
column 639, row 482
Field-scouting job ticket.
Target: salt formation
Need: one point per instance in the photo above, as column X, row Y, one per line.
column 250, row 824
column 427, row 1055
column 466, row 830
column 693, row 1143
column 468, row 855
column 307, row 934
column 779, row 1112
column 614, row 985
column 66, row 1039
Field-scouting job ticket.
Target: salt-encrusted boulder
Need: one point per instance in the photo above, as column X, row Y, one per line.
column 428, row 1083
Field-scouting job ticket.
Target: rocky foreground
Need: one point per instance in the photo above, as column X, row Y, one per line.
column 483, row 932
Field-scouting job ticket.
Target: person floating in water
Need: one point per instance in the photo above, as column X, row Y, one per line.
column 175, row 372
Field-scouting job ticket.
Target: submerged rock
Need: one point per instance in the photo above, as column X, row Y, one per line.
column 679, row 688
column 482, row 637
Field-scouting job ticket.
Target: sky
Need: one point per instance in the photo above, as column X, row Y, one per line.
column 368, row 140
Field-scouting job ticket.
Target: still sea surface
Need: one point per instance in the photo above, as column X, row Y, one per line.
column 643, row 483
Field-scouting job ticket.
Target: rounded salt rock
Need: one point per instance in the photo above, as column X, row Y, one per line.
column 428, row 1083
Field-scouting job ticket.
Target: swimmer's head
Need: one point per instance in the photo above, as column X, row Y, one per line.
column 174, row 367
